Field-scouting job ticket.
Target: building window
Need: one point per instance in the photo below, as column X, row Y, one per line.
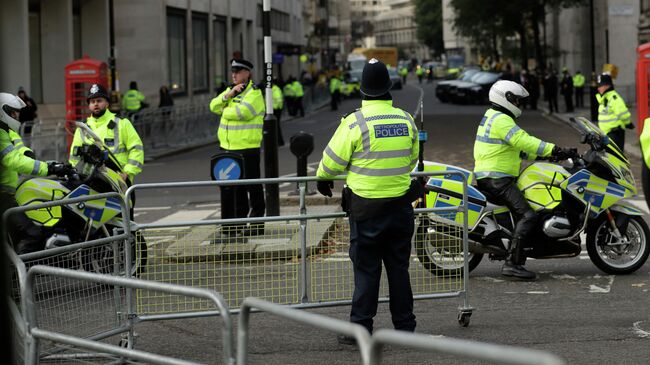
column 200, row 52
column 177, row 68
column 220, row 56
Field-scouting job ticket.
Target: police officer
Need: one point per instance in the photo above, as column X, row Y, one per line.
column 335, row 92
column 278, row 104
column 298, row 93
column 117, row 133
column 133, row 100
column 25, row 235
column 241, row 107
column 378, row 146
column 613, row 116
column 497, row 148
column 579, row 86
column 420, row 73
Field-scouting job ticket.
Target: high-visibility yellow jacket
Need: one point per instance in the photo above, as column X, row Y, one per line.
column 403, row 71
column 498, row 143
column 419, row 71
column 288, row 90
column 335, row 85
column 119, row 136
column 612, row 112
column 578, row 80
column 19, row 145
column 14, row 162
column 298, row 92
column 242, row 118
column 378, row 146
column 278, row 99
column 132, row 100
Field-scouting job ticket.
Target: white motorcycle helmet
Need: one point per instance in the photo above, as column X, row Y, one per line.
column 9, row 105
column 509, row 95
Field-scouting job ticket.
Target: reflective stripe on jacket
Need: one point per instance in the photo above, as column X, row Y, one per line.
column 17, row 141
column 120, row 137
column 14, row 162
column 132, row 100
column 242, row 118
column 378, row 146
column 498, row 143
column 612, row 112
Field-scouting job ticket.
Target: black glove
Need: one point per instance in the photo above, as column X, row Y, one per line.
column 30, row 154
column 560, row 153
column 629, row 126
column 325, row 187
column 59, row 169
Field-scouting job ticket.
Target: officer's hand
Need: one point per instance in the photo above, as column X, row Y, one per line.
column 325, row 187
column 629, row 126
column 59, row 169
column 560, row 153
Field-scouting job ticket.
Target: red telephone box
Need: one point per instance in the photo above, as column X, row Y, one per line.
column 79, row 76
column 642, row 84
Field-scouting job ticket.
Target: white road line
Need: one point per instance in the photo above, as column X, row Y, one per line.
column 187, row 215
column 139, row 209
column 209, row 205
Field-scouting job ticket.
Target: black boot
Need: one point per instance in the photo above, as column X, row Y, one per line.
column 514, row 265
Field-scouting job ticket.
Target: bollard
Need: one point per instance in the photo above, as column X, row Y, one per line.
column 301, row 145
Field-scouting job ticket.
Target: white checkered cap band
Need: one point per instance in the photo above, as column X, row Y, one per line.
column 240, row 65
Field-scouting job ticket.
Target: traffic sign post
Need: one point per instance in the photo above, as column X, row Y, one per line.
column 227, row 166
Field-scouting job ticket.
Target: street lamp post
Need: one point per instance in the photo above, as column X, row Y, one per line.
column 592, row 86
column 270, row 123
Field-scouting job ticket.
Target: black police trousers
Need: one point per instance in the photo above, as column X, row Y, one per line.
column 25, row 235
column 385, row 237
column 504, row 191
column 244, row 200
column 617, row 136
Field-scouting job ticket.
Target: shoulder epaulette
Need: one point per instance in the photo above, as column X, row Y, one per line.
column 614, row 96
column 352, row 112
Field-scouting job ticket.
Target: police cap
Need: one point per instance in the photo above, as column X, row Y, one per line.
column 97, row 91
column 375, row 80
column 240, row 64
column 605, row 79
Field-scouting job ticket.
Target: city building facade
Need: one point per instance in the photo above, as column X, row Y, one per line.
column 185, row 44
column 395, row 27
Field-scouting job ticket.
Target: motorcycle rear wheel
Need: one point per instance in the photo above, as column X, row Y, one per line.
column 441, row 252
column 618, row 259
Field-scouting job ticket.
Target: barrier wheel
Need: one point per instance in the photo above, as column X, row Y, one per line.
column 463, row 318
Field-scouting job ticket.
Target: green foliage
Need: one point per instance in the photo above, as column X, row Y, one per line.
column 428, row 18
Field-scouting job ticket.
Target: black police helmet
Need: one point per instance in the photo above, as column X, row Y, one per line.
column 97, row 91
column 375, row 80
column 605, row 79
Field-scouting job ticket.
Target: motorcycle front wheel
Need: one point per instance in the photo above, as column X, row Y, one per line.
column 102, row 260
column 439, row 249
column 613, row 256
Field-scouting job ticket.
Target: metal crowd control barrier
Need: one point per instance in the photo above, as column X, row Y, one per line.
column 484, row 352
column 330, row 324
column 35, row 333
column 300, row 260
column 102, row 254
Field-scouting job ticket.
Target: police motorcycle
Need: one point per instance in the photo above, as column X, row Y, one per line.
column 88, row 220
column 586, row 195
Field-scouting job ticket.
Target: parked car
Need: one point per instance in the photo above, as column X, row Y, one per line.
column 476, row 91
column 442, row 88
column 395, row 78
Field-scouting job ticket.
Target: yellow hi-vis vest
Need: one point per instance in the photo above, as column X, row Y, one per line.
column 378, row 146
column 132, row 100
column 242, row 118
column 644, row 140
column 578, row 80
column 612, row 112
column 14, row 162
column 298, row 92
column 119, row 136
column 17, row 141
column 498, row 143
column 278, row 99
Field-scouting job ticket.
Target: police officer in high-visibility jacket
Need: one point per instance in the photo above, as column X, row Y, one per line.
column 335, row 92
column 278, row 104
column 242, row 109
column 298, row 93
column 133, row 100
column 499, row 142
column 378, row 147
column 14, row 160
column 117, row 133
column 579, row 87
column 613, row 116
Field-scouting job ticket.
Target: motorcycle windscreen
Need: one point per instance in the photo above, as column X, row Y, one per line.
column 448, row 193
column 41, row 190
column 590, row 188
column 100, row 210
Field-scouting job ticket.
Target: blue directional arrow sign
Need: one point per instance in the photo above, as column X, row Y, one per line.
column 226, row 169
